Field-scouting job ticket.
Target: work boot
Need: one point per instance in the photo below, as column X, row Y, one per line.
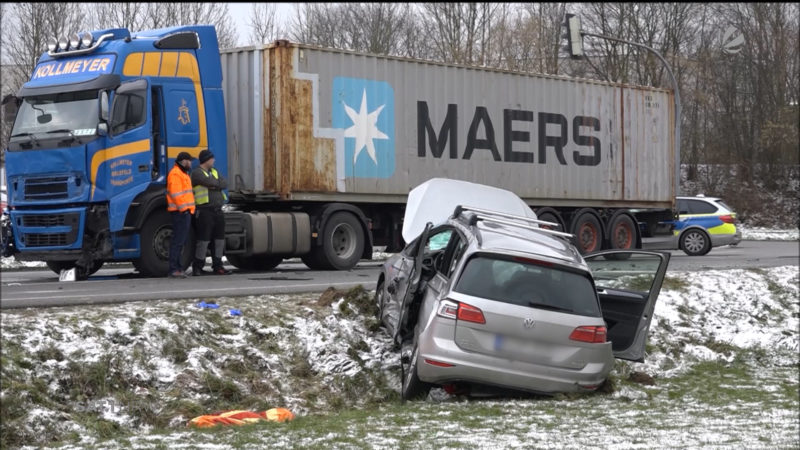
column 197, row 268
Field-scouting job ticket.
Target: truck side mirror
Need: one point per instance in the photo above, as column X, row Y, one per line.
column 102, row 129
column 104, row 108
column 10, row 108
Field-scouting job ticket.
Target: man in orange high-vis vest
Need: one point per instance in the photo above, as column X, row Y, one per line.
column 180, row 204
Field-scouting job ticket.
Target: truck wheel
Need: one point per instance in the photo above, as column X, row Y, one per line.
column 80, row 274
column 256, row 263
column 588, row 232
column 549, row 215
column 342, row 244
column 155, row 239
column 695, row 242
column 623, row 233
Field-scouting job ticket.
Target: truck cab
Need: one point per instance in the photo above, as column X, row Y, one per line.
column 96, row 130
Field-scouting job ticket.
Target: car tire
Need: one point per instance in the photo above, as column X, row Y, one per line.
column 258, row 263
column 412, row 387
column 80, row 274
column 695, row 242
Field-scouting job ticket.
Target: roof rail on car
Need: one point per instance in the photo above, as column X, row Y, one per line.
column 496, row 217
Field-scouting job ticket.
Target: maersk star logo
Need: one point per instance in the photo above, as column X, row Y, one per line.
column 364, row 109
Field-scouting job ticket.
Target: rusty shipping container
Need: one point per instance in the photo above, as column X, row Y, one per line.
column 308, row 123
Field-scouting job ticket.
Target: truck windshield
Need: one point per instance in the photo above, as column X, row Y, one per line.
column 72, row 113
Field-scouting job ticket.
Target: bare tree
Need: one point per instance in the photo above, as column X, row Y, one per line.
column 263, row 23
column 130, row 15
column 380, row 28
column 459, row 32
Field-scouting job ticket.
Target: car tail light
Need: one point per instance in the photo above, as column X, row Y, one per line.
column 591, row 334
column 727, row 218
column 469, row 313
column 448, row 309
column 461, row 311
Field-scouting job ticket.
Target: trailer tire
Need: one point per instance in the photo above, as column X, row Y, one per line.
column 550, row 215
column 80, row 274
column 259, row 263
column 156, row 235
column 587, row 231
column 342, row 244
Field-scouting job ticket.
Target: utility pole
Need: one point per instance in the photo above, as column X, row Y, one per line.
column 575, row 47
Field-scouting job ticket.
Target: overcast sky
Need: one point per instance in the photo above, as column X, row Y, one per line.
column 240, row 13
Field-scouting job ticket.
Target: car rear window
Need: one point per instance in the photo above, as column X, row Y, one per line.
column 525, row 282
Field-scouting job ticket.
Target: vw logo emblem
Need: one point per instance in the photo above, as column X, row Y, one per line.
column 528, row 323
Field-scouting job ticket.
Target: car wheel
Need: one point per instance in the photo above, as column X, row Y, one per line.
column 695, row 243
column 413, row 388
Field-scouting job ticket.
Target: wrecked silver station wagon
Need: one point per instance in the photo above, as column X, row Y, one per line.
column 482, row 298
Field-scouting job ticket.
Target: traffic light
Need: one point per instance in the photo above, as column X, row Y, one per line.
column 574, row 36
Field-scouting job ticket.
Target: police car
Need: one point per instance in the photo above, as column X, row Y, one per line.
column 704, row 222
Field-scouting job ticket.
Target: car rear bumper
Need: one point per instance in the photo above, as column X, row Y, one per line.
column 467, row 366
column 718, row 240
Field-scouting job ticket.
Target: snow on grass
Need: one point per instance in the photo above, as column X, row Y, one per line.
column 84, row 374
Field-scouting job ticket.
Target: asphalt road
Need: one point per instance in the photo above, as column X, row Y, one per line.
column 116, row 284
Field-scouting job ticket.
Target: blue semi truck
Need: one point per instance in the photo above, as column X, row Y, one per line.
column 320, row 148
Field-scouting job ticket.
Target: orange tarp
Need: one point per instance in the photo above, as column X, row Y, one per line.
column 238, row 417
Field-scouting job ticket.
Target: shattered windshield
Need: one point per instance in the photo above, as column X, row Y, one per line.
column 74, row 114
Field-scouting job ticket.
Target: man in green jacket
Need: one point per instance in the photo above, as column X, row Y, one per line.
column 209, row 196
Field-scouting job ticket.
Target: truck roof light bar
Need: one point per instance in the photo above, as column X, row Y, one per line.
column 82, row 51
column 495, row 216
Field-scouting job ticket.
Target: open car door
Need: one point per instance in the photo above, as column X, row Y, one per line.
column 406, row 289
column 628, row 284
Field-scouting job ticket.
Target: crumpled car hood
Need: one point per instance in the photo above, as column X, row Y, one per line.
column 434, row 201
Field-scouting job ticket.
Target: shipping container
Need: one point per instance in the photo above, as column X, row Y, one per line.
column 308, row 123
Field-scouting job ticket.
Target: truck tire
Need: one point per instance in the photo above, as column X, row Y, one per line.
column 342, row 244
column 695, row 242
column 80, row 274
column 256, row 262
column 155, row 238
column 550, row 215
column 622, row 234
column 588, row 232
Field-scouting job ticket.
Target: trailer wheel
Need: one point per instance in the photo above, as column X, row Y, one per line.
column 80, row 274
column 588, row 232
column 258, row 263
column 155, row 239
column 550, row 215
column 623, row 233
column 342, row 244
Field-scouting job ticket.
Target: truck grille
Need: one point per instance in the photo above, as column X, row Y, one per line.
column 49, row 230
column 50, row 188
column 46, row 240
column 50, row 220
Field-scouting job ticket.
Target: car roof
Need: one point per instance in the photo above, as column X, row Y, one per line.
column 501, row 238
column 698, row 198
